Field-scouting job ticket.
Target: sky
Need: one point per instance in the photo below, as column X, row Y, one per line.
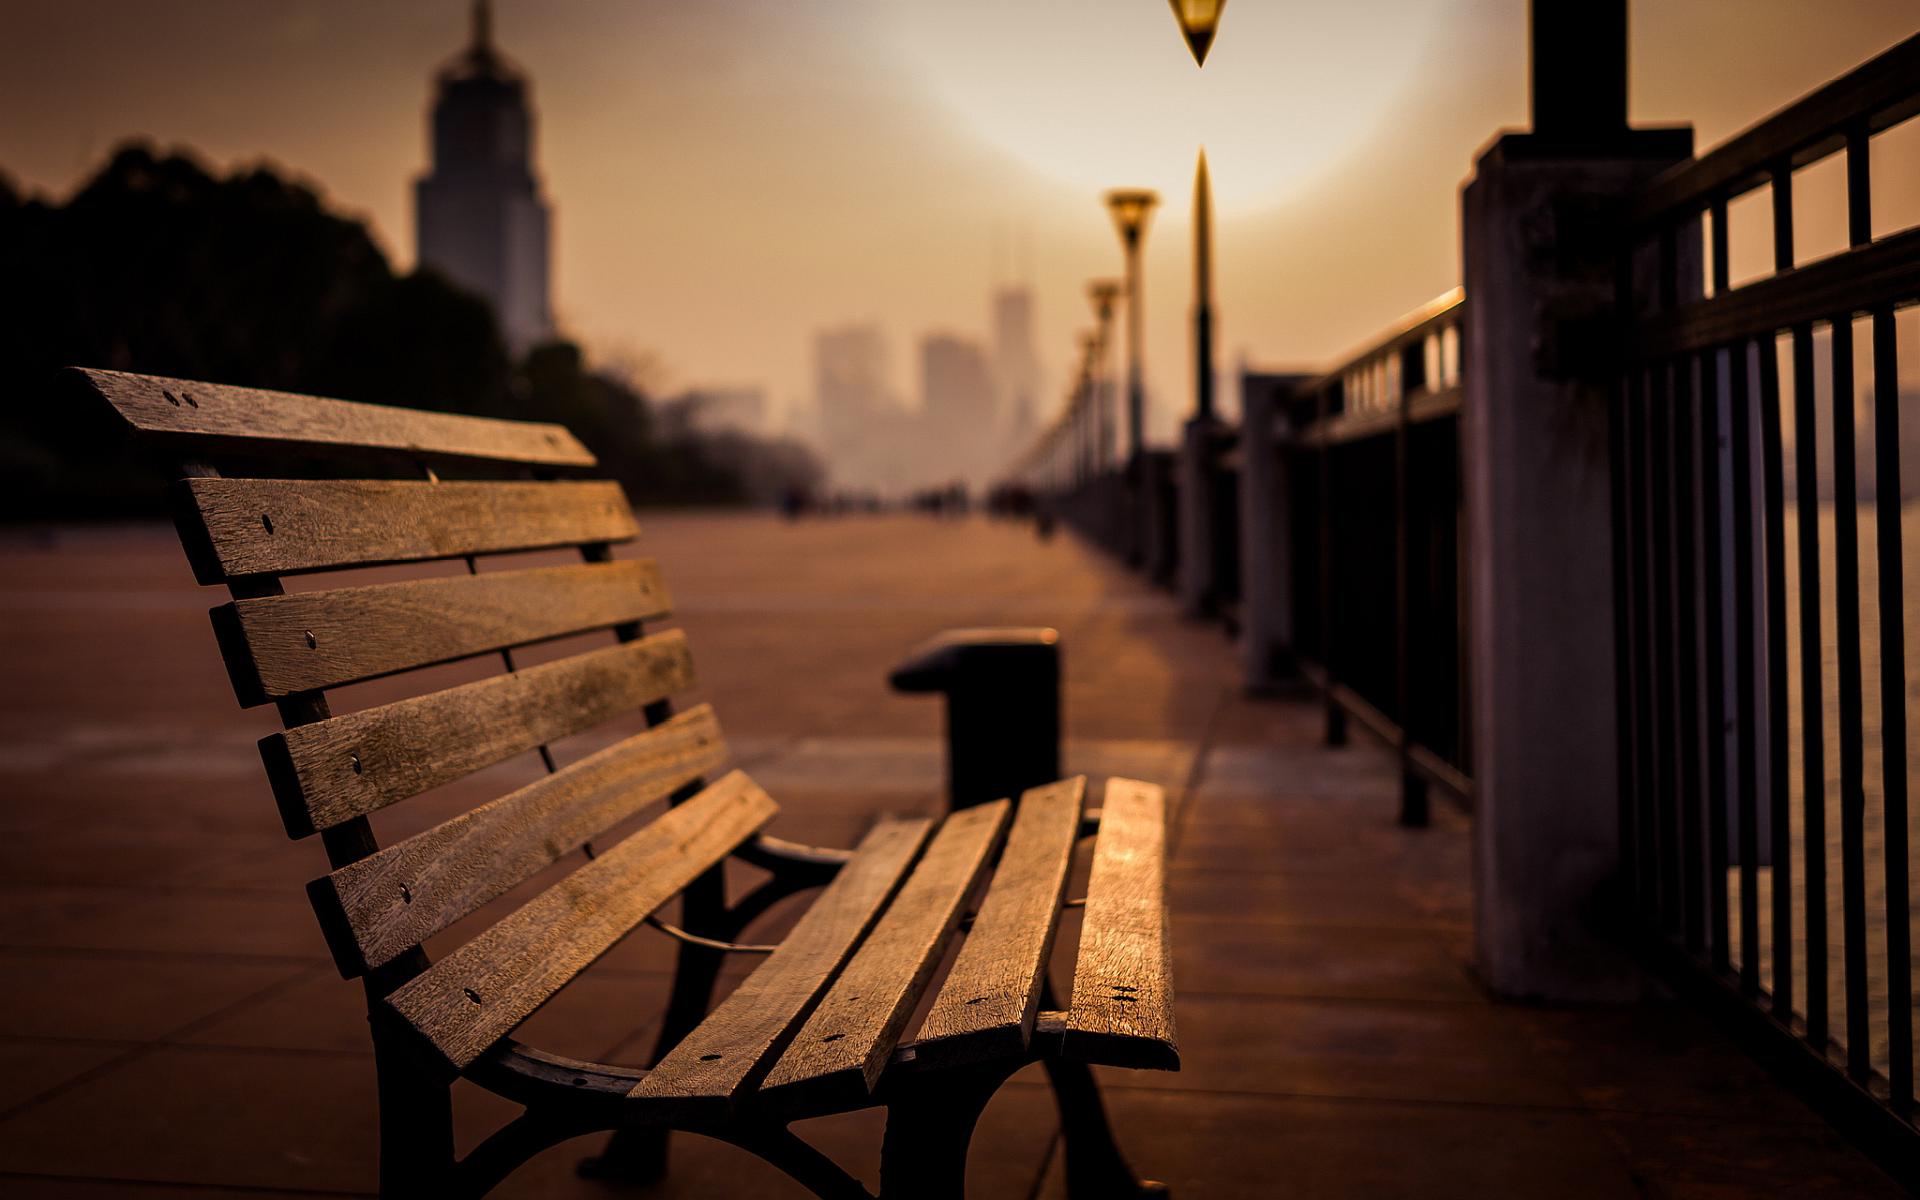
column 729, row 176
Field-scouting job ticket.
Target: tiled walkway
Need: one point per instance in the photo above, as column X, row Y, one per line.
column 169, row 1023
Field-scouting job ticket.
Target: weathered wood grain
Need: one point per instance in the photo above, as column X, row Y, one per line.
column 192, row 418
column 311, row 640
column 477, row 994
column 839, row 1053
column 721, row 1059
column 1122, row 1007
column 282, row 526
column 986, row 1004
column 398, row 897
column 334, row 770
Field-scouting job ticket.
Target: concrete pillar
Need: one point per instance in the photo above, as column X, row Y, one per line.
column 1193, row 486
column 1266, row 532
column 1539, row 361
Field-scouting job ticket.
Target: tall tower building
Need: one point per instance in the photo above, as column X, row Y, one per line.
column 479, row 217
column 1016, row 364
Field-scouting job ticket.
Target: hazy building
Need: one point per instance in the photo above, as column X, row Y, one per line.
column 869, row 439
column 1016, row 364
column 957, row 405
column 479, row 217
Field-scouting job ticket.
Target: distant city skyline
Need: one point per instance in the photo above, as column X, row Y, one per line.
column 733, row 176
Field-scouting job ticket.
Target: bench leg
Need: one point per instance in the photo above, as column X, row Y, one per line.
column 1095, row 1166
column 416, row 1125
column 924, row 1154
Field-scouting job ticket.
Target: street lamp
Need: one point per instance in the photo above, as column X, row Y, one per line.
column 1130, row 208
column 1102, row 293
column 1199, row 19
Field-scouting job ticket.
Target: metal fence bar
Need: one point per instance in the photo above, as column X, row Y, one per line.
column 1626, row 656
column 1853, row 799
column 1813, row 733
column 1893, row 708
column 1774, row 555
column 1687, row 643
column 1746, row 696
column 1646, row 772
column 1713, row 645
column 1659, row 430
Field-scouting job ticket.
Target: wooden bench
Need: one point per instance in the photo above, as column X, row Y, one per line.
column 819, row 1026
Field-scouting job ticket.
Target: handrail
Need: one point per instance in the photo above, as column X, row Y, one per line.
column 1410, row 328
column 1876, row 95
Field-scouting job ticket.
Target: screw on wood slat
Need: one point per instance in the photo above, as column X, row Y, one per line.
column 312, row 642
column 472, row 995
column 266, row 522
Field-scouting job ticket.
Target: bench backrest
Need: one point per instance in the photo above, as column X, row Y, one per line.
column 330, row 773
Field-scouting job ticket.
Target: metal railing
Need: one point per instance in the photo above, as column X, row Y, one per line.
column 1372, row 489
column 1760, row 614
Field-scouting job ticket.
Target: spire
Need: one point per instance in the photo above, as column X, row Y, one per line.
column 1203, row 232
column 482, row 27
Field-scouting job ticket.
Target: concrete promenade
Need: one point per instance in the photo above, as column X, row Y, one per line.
column 170, row 1024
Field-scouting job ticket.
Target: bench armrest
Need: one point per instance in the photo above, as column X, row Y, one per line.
column 1003, row 707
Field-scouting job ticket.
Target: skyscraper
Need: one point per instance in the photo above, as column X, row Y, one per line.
column 479, row 216
column 1016, row 364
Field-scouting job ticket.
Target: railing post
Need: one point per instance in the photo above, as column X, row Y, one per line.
column 1266, row 533
column 1194, row 490
column 1539, row 362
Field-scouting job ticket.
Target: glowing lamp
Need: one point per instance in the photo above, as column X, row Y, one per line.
column 1130, row 208
column 1199, row 20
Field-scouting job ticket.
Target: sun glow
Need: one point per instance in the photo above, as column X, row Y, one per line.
column 1095, row 94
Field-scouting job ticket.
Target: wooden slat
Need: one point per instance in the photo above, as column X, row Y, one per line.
column 1122, row 1006
column 279, row 645
column 334, row 770
column 377, row 908
column 279, row 526
column 839, row 1053
column 476, row 995
column 986, row 1005
column 213, row 418
column 719, row 1061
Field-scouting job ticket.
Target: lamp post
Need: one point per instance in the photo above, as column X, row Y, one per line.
column 1203, row 292
column 1102, row 293
column 1130, row 208
column 1088, row 405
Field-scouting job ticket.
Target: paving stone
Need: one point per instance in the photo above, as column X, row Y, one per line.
column 1454, row 1053
column 1254, row 1148
column 132, row 998
column 207, row 1116
column 30, row 1068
